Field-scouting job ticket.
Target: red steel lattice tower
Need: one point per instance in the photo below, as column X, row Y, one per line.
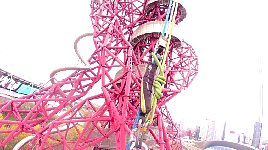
column 125, row 33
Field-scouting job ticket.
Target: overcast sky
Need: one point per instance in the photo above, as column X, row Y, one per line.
column 229, row 37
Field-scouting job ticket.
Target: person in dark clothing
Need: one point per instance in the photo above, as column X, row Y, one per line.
column 148, row 80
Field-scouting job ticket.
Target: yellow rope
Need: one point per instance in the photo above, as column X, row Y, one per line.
column 158, row 82
column 143, row 107
column 169, row 37
column 160, row 79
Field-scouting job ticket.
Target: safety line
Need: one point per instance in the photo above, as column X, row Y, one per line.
column 162, row 67
column 167, row 16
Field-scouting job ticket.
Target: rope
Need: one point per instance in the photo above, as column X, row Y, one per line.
column 158, row 88
column 171, row 16
column 169, row 38
column 158, row 82
column 143, row 108
column 165, row 24
column 167, row 16
column 160, row 79
column 136, row 120
column 133, row 127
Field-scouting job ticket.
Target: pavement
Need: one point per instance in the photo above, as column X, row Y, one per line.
column 193, row 145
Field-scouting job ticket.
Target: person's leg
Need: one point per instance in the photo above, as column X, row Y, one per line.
column 148, row 81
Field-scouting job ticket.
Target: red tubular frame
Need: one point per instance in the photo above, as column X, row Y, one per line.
column 72, row 101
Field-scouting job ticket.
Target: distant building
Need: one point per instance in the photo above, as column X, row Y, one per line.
column 14, row 86
column 256, row 134
column 208, row 130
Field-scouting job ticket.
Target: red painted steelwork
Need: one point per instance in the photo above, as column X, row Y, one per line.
column 73, row 100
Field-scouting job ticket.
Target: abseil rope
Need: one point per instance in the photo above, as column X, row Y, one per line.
column 160, row 79
column 167, row 16
column 133, row 127
column 165, row 23
column 142, row 104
